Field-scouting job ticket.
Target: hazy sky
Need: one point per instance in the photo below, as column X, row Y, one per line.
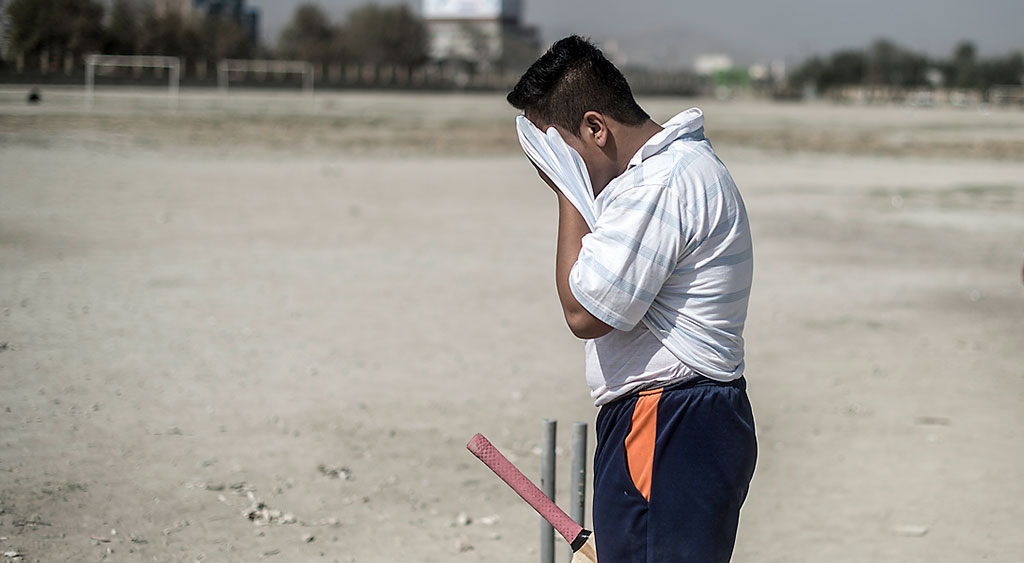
column 769, row 28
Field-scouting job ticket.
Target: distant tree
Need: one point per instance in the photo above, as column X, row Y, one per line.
column 965, row 69
column 1001, row 71
column 518, row 52
column 339, row 49
column 173, row 34
column 962, row 68
column 884, row 63
column 309, row 35
column 811, row 72
column 222, row 38
column 55, row 28
column 124, row 28
column 965, row 52
column 478, row 42
column 87, row 30
column 844, row 68
column 890, row 64
column 385, row 35
column 169, row 33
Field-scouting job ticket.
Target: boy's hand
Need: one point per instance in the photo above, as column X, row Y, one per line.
column 545, row 177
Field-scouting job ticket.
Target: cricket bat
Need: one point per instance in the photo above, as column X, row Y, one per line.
column 580, row 540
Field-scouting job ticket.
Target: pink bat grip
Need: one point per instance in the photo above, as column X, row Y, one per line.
column 502, row 467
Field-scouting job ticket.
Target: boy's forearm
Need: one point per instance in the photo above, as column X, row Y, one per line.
column 571, row 230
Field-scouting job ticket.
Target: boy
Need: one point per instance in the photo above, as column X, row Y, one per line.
column 658, row 288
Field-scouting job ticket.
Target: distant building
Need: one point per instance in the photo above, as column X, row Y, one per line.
column 481, row 33
column 709, row 64
column 248, row 18
column 251, row 24
column 231, row 9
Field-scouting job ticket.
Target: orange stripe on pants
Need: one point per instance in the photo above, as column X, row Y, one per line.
column 640, row 441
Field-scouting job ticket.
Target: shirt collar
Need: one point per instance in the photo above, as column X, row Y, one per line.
column 686, row 123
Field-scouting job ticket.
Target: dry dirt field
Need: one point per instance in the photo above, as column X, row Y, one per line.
column 314, row 303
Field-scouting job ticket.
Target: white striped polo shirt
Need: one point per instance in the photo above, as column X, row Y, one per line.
column 668, row 263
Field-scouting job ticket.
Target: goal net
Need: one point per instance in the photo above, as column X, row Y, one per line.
column 234, row 68
column 173, row 64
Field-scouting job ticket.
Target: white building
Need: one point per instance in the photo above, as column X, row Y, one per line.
column 710, row 63
column 483, row 33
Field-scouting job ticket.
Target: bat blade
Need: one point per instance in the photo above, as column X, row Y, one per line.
column 587, row 553
column 581, row 541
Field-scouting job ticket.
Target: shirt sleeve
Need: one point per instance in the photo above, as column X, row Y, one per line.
column 632, row 250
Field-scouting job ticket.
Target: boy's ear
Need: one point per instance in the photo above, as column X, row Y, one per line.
column 595, row 127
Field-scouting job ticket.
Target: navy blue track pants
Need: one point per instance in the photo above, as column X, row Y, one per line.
column 671, row 471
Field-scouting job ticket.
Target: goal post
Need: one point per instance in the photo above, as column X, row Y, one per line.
column 173, row 64
column 262, row 66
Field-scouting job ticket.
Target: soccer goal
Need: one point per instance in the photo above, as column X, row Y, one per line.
column 228, row 67
column 173, row 64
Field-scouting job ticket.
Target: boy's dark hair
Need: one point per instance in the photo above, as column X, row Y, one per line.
column 572, row 78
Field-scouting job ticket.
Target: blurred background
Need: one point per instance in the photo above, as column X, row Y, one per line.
column 267, row 266
column 915, row 51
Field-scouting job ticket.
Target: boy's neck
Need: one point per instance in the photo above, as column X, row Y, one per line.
column 629, row 140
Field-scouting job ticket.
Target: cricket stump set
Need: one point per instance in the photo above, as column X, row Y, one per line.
column 580, row 540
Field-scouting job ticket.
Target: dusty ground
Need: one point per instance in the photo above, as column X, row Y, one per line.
column 210, row 303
